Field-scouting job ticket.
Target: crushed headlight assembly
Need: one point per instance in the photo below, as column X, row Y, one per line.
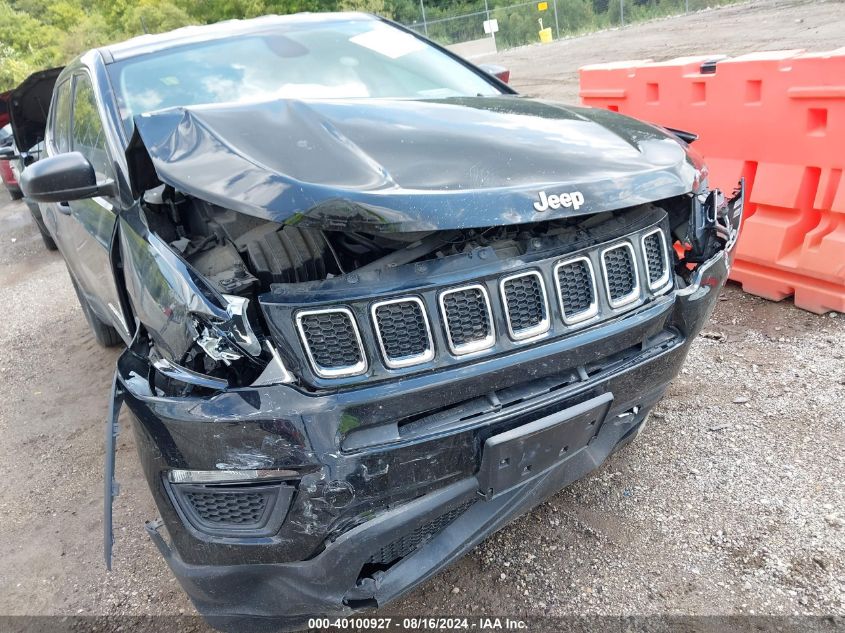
column 227, row 339
column 197, row 335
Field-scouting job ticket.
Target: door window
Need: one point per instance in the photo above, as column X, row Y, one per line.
column 61, row 118
column 88, row 134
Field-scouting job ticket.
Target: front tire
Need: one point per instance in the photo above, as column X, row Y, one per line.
column 105, row 335
column 48, row 240
column 35, row 212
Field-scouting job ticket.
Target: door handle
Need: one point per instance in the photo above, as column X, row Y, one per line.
column 63, row 207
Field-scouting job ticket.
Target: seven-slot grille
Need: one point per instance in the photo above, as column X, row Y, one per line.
column 654, row 249
column 468, row 319
column 403, row 332
column 576, row 285
column 526, row 307
column 332, row 342
column 620, row 274
column 403, row 326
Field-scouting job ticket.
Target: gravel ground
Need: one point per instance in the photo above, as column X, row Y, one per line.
column 730, row 502
column 551, row 70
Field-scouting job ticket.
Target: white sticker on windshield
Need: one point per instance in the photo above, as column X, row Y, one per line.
column 388, row 41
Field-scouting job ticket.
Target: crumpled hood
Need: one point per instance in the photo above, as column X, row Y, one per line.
column 405, row 165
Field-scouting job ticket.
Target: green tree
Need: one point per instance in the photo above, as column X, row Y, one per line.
column 154, row 16
column 575, row 15
column 379, row 7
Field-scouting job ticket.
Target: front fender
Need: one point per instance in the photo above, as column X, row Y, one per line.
column 167, row 295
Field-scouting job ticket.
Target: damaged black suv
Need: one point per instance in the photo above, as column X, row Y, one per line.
column 375, row 304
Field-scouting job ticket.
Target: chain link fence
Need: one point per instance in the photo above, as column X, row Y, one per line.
column 480, row 27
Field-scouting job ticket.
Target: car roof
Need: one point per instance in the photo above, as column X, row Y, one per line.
column 145, row 44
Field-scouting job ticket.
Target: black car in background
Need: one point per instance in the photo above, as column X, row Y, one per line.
column 33, row 97
column 25, row 159
column 12, row 163
column 375, row 304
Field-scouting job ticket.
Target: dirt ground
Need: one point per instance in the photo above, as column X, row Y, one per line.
column 550, row 71
column 730, row 502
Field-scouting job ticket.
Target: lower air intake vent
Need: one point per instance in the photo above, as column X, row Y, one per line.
column 654, row 248
column 469, row 322
column 236, row 510
column 230, row 508
column 577, row 290
column 412, row 541
column 620, row 275
column 332, row 342
column 526, row 308
column 403, row 332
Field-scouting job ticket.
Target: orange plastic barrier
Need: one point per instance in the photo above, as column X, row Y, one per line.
column 776, row 118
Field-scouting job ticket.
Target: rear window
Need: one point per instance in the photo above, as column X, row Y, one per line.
column 338, row 59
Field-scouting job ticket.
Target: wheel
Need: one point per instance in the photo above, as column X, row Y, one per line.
column 35, row 212
column 15, row 194
column 104, row 334
column 48, row 240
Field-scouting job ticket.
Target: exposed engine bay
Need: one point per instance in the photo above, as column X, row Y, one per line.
column 243, row 257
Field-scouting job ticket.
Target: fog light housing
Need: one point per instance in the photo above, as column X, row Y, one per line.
column 232, row 510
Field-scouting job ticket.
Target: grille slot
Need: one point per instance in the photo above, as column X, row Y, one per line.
column 412, row 541
column 620, row 274
column 468, row 319
column 654, row 251
column 526, row 305
column 403, row 332
column 229, row 508
column 576, row 284
column 332, row 342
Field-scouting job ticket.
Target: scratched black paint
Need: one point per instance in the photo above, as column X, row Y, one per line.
column 409, row 165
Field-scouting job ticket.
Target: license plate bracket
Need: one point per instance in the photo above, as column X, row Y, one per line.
column 516, row 456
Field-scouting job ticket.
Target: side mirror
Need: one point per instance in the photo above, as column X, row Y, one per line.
column 499, row 72
column 8, row 153
column 62, row 178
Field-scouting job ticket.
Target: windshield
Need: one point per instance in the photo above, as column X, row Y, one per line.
column 338, row 59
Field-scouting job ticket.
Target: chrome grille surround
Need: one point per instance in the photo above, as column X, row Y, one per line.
column 631, row 296
column 460, row 349
column 332, row 372
column 543, row 324
column 593, row 309
column 402, row 361
column 662, row 282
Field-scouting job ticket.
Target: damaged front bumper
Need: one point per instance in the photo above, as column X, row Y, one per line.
column 346, row 519
column 279, row 428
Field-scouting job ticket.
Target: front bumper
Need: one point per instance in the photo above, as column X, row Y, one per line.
column 358, row 491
